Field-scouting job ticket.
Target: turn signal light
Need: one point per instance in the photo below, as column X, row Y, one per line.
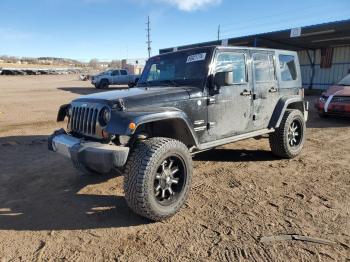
column 132, row 126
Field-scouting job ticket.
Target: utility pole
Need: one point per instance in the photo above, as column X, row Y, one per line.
column 219, row 32
column 148, row 29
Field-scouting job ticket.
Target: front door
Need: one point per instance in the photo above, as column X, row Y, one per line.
column 266, row 91
column 115, row 77
column 229, row 111
column 124, row 78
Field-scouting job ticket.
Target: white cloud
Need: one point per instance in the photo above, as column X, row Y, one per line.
column 191, row 5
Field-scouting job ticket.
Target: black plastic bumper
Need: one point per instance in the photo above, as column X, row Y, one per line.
column 97, row 156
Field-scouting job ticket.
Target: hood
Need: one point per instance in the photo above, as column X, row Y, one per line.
column 136, row 97
column 338, row 91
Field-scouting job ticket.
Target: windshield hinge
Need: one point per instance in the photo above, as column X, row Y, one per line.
column 211, row 101
column 211, row 125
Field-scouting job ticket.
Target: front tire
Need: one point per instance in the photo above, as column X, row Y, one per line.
column 104, row 84
column 288, row 140
column 158, row 177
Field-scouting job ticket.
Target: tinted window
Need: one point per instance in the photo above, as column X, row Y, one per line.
column 264, row 70
column 288, row 68
column 123, row 72
column 227, row 62
column 115, row 73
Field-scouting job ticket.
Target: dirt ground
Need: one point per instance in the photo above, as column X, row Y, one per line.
column 240, row 193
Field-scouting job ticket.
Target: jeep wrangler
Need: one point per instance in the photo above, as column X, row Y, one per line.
column 185, row 102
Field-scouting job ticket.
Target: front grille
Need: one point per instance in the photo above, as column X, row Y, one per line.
column 341, row 99
column 84, row 120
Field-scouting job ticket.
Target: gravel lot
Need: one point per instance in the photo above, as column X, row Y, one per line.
column 240, row 194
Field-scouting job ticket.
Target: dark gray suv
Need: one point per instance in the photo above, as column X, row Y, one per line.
column 185, row 102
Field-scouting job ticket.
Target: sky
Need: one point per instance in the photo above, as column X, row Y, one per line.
column 116, row 29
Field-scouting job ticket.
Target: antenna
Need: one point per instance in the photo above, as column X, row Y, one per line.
column 219, row 29
column 148, row 29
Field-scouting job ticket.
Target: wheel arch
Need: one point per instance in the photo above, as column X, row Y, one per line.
column 294, row 102
column 161, row 122
column 175, row 128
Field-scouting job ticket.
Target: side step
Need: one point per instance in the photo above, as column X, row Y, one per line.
column 231, row 139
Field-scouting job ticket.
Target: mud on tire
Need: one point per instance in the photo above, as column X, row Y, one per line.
column 146, row 185
column 288, row 140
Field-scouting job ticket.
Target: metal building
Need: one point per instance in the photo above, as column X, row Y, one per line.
column 324, row 50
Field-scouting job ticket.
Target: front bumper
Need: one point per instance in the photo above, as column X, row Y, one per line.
column 333, row 108
column 99, row 157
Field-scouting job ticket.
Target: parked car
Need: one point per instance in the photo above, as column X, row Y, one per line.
column 336, row 100
column 114, row 77
column 185, row 102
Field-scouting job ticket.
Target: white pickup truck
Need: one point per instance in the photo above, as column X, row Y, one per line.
column 114, row 77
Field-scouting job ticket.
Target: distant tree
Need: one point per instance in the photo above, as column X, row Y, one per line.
column 115, row 64
column 94, row 63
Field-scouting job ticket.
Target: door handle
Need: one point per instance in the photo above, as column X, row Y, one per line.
column 246, row 93
column 273, row 90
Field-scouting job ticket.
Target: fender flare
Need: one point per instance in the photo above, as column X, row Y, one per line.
column 282, row 106
column 62, row 112
column 120, row 120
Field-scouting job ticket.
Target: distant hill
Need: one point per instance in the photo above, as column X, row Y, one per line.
column 47, row 61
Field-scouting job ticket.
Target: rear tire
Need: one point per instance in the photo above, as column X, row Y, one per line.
column 157, row 177
column 288, row 140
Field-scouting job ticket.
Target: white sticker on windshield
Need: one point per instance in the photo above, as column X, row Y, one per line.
column 196, row 57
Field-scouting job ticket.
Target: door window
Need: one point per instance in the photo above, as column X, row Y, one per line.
column 123, row 72
column 115, row 73
column 235, row 63
column 288, row 68
column 263, row 66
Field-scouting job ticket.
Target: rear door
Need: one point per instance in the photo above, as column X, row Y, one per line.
column 266, row 92
column 229, row 111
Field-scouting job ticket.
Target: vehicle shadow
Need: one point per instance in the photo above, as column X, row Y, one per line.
column 235, row 155
column 328, row 122
column 42, row 191
column 90, row 90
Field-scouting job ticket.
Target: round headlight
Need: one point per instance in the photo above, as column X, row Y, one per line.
column 323, row 99
column 105, row 116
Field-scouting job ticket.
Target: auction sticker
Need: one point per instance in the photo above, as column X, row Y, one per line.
column 196, row 57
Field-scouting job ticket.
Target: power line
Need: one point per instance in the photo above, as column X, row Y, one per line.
column 148, row 29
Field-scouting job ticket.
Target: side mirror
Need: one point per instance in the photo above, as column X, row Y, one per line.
column 215, row 82
column 223, row 79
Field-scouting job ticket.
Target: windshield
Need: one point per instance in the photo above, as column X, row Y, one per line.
column 177, row 69
column 345, row 81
